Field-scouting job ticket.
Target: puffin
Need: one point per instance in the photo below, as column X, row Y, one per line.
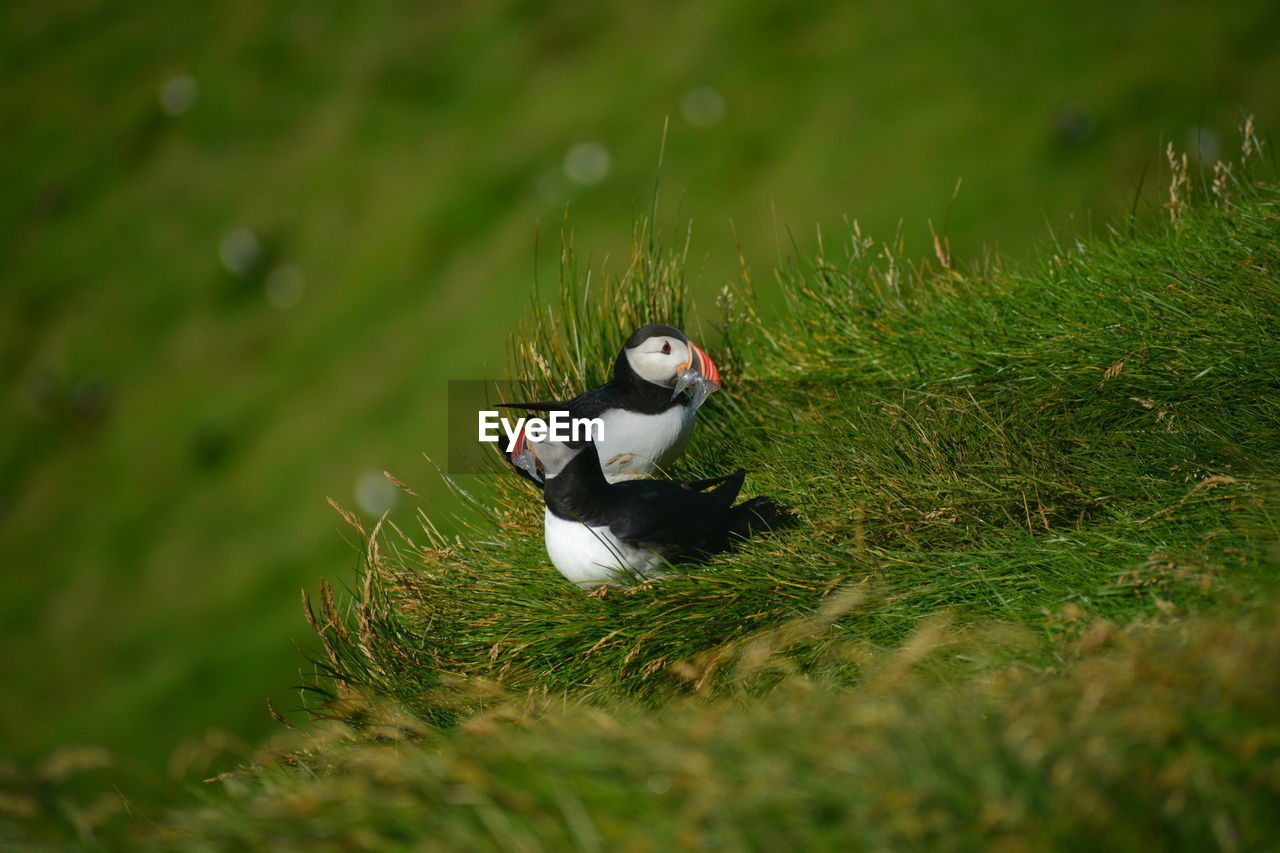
column 647, row 419
column 599, row 531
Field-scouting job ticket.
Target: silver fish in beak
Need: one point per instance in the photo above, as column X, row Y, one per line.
column 699, row 376
column 523, row 457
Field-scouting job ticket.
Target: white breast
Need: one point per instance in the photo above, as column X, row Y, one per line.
column 590, row 556
column 636, row 445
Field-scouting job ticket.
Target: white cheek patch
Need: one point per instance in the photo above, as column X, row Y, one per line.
column 655, row 367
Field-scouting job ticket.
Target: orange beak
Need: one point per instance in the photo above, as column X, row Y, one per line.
column 702, row 363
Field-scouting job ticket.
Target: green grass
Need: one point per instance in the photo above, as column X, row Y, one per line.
column 169, row 437
column 1030, row 601
column 1096, row 433
column 1163, row 737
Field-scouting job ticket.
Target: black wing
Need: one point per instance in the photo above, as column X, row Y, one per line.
column 588, row 404
column 675, row 519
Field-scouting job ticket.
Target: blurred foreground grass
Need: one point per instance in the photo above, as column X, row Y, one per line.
column 246, row 244
column 1163, row 736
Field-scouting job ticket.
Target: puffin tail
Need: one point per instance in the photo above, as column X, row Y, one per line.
column 757, row 515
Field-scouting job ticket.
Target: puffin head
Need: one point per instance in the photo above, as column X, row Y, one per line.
column 660, row 354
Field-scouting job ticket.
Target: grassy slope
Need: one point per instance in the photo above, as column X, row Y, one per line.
column 996, row 442
column 1031, row 599
column 1160, row 737
column 150, row 556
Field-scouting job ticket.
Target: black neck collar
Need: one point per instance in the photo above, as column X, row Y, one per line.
column 642, row 395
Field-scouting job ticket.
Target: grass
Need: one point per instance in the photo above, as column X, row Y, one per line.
column 1160, row 736
column 1098, row 433
column 1030, row 604
column 170, row 436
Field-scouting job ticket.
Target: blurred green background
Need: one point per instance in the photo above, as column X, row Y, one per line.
column 247, row 244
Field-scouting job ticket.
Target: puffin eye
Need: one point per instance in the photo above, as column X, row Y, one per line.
column 666, row 348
